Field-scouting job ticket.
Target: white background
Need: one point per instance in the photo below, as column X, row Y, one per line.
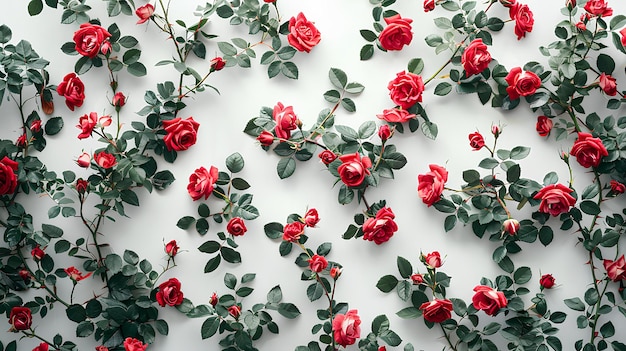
column 222, row 119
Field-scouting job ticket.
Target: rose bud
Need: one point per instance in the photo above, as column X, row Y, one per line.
column 617, row 187
column 236, row 226
column 171, row 248
column 476, row 141
column 311, row 218
column 102, row 348
column 37, row 253
column 546, row 281
column 81, row 186
column 25, row 275
column 496, row 130
column 417, row 279
column 214, row 299
column 511, row 226
column 119, row 100
column 265, row 138
column 570, row 4
column 84, row 160
column 217, row 64
column 35, row 127
column 384, row 133
column 432, row 260
column 234, row 311
column 335, row 272
column 144, row 13
column 508, row 3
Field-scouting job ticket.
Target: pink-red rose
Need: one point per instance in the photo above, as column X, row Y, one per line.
column 75, row 274
column 598, row 8
column 523, row 19
column 346, row 328
column 555, row 199
column 8, row 178
column 84, row 160
column 622, row 32
column 615, row 270
column 429, row 5
column 42, row 347
column 353, row 169
column 475, row 58
column 214, row 299
column 132, row 344
column 217, row 63
column 235, row 311
column 88, row 39
column 417, row 279
column 380, row 228
column 311, row 218
column 105, row 159
column 286, row 120
column 181, row 133
column 521, row 83
column 169, row 293
column 511, row 226
column 432, row 260
column 318, row 263
column 119, row 100
column 35, row 127
column 430, row 185
column 588, row 150
column 384, row 133
column 292, row 231
column 20, row 318
column 488, row 299
column 335, row 272
column 544, row 126
column 144, row 13
column 396, row 115
column 617, row 187
column 202, row 182
column 265, row 138
column 397, row 33
column 303, row 35
column 73, row 89
column 546, row 281
column 21, row 141
column 236, row 226
column 86, row 123
column 102, row 348
column 476, row 141
column 37, row 253
column 327, row 157
column 171, row 248
column 406, row 89
column 436, row 311
column 607, row 84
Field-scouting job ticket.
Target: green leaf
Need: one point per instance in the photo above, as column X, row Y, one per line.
column 366, row 53
column 212, row 264
column 129, row 197
column 332, row 96
column 348, row 104
column 409, row 313
column 387, row 283
column 519, row 152
column 51, row 230
column 235, row 162
column 5, row 34
column 227, row 48
column 605, row 63
column 575, row 303
column 354, row 88
column 209, row 327
column 286, row 167
column 210, row 246
column 289, row 70
column 443, row 89
column 185, row 222
column 522, row 275
column 338, row 78
column 76, row 313
column 273, row 230
column 275, row 295
column 590, row 207
column 113, row 263
column 35, row 7
column 230, row 255
column 288, row 310
column 404, row 267
column 368, row 35
column 131, row 56
column 416, row 65
column 346, row 195
column 54, row 125
column 391, row 338
column 84, row 329
column 488, row 163
column 230, row 280
column 137, row 69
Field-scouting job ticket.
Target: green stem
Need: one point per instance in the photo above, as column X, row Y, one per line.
column 445, row 334
column 43, row 284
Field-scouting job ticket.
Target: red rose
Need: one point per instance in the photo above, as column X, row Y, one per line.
column 488, row 299
column 35, row 127
column 555, row 199
column 432, row 260
column 8, row 178
column 89, row 39
column 523, row 19
column 429, row 5
column 511, row 226
column 119, row 100
column 436, row 311
column 430, row 185
column 214, row 299
column 406, row 89
column 508, row 3
column 417, row 279
column 615, row 270
column 84, row 160
column 607, row 84
column 144, row 13
column 202, row 182
column 475, row 58
column 353, row 169
column 286, row 120
column 617, row 187
column 318, row 263
column 217, row 63
column 380, row 228
column 598, row 8
column 521, row 83
column 327, row 157
column 546, row 281
column 396, row 115
column 102, row 348
column 234, row 311
column 81, row 185
column 105, row 160
column 269, row 1
column 75, row 274
column 236, row 226
column 397, row 33
column 169, row 293
column 311, row 218
column 384, row 133
column 335, row 272
column 37, row 253
column 20, row 318
column 265, row 138
column 171, row 248
column 292, row 231
column 132, row 344
column 346, row 328
column 623, row 34
column 303, row 35
column 21, row 141
column 42, row 347
column 181, row 133
column 86, row 123
column 544, row 126
column 73, row 89
column 588, row 150
column 476, row 141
